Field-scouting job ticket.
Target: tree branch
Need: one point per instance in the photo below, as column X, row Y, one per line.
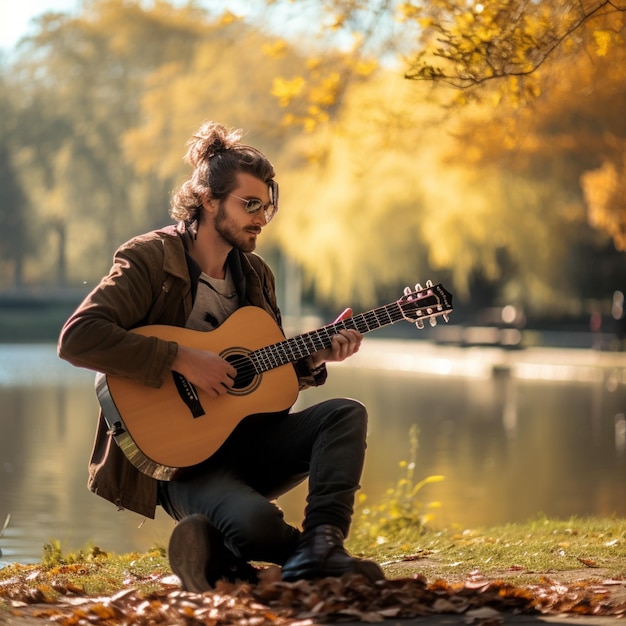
column 466, row 77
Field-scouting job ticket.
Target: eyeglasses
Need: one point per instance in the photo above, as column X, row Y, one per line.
column 254, row 205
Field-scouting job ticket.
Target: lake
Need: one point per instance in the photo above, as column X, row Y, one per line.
column 516, row 434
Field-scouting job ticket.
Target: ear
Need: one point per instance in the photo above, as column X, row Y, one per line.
column 210, row 204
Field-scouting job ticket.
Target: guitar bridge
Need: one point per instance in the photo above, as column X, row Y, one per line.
column 188, row 394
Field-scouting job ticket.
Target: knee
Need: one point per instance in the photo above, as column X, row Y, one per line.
column 358, row 409
column 351, row 411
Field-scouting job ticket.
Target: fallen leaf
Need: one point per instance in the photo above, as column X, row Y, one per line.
column 483, row 612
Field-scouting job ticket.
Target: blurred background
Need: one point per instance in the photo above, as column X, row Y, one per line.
column 481, row 145
column 478, row 144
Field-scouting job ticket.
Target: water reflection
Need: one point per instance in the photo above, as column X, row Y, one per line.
column 510, row 448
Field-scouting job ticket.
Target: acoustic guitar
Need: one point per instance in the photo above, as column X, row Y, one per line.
column 177, row 425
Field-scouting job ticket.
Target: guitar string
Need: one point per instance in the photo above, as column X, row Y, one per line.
column 270, row 357
column 288, row 350
column 309, row 343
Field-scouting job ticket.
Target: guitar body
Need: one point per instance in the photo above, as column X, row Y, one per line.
column 177, row 425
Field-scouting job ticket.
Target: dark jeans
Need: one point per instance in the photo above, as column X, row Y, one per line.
column 265, row 457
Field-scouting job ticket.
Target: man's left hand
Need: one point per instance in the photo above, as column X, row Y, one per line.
column 344, row 344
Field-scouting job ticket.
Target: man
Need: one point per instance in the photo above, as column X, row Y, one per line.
column 196, row 274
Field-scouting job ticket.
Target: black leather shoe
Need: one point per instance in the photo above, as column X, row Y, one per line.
column 320, row 553
column 194, row 553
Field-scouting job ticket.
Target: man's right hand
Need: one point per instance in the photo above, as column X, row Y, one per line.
column 204, row 369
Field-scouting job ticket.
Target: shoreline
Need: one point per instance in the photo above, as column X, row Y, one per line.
column 482, row 362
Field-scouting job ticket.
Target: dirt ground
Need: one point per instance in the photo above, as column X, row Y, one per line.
column 588, row 576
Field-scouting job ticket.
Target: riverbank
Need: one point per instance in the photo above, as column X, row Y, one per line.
column 544, row 571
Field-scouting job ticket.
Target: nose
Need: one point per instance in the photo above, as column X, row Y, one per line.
column 260, row 217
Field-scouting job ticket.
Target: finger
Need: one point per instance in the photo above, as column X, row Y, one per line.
column 351, row 335
column 346, row 346
column 223, row 386
column 340, row 339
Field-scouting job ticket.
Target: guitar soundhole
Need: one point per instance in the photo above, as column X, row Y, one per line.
column 247, row 379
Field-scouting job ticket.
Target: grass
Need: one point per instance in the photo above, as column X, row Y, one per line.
column 90, row 571
column 517, row 553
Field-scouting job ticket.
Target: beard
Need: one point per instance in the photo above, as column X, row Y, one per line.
column 243, row 239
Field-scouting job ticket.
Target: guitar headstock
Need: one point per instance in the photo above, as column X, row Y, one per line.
column 428, row 302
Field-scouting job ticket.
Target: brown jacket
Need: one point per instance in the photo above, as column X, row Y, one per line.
column 152, row 281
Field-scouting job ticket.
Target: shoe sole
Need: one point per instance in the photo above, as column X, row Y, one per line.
column 368, row 569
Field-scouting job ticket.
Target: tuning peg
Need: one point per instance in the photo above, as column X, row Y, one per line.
column 446, row 318
column 429, row 284
column 433, row 321
column 418, row 287
column 420, row 324
column 407, row 291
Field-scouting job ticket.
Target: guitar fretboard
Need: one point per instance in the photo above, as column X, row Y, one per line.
column 304, row 345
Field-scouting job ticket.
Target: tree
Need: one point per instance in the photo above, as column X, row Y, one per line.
column 500, row 52
column 474, row 46
column 468, row 45
column 605, row 194
column 571, row 141
column 80, row 81
column 386, row 186
column 14, row 232
column 214, row 82
column 15, row 226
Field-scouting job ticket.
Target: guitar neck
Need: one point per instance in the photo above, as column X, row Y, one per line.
column 304, row 345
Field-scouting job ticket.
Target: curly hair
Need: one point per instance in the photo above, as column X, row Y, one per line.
column 216, row 155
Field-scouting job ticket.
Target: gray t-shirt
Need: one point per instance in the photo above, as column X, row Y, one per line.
column 216, row 299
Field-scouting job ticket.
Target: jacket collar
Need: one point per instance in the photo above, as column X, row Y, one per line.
column 237, row 261
column 175, row 259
